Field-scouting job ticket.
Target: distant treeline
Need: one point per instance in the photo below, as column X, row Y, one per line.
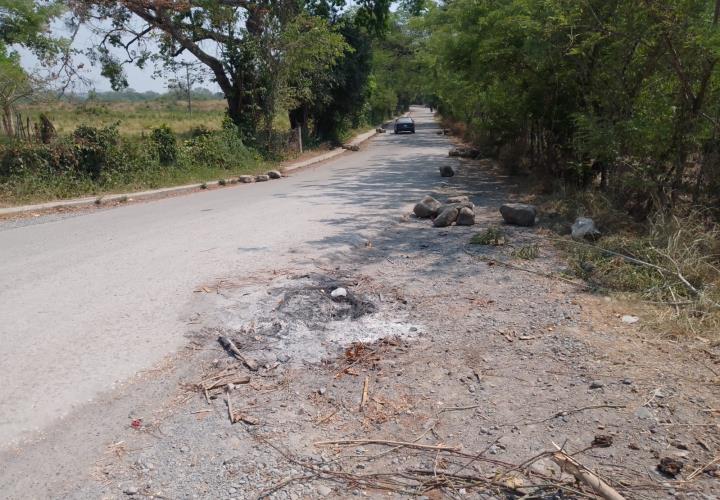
column 131, row 95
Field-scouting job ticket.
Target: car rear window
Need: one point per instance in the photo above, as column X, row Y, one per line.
column 404, row 120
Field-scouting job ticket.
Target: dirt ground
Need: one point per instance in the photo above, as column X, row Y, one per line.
column 444, row 373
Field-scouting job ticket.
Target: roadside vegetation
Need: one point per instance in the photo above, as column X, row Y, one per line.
column 609, row 110
column 281, row 66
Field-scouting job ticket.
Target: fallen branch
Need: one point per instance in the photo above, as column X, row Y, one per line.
column 703, row 469
column 364, row 398
column 565, row 413
column 389, row 443
column 583, row 475
column 230, row 346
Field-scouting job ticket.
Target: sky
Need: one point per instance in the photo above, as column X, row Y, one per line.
column 140, row 80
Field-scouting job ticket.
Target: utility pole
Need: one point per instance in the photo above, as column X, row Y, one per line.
column 188, row 88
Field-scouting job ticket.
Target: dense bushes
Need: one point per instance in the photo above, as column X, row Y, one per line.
column 96, row 159
column 166, row 144
column 622, row 94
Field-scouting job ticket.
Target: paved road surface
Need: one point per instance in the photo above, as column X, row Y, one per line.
column 86, row 301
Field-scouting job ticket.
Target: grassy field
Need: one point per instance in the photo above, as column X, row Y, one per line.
column 136, row 118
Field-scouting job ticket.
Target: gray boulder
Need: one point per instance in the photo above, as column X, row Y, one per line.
column 427, row 207
column 446, row 171
column 519, row 214
column 274, row 174
column 584, row 228
column 261, row 178
column 466, row 217
column 464, row 204
column 446, row 217
column 246, row 178
column 457, row 199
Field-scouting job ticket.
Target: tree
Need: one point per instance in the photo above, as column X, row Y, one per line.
column 241, row 42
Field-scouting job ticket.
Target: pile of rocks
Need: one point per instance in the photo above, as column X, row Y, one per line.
column 456, row 209
column 464, row 152
column 272, row 174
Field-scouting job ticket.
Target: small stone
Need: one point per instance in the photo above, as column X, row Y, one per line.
column 131, row 490
column 466, row 217
column 446, row 218
column 322, row 391
column 597, row 384
column 185, row 449
column 458, row 199
column 283, row 358
column 274, row 174
column 323, row 490
column 338, row 293
column 630, row 320
column 447, row 171
column 627, row 381
column 261, row 178
column 246, row 179
column 644, row 413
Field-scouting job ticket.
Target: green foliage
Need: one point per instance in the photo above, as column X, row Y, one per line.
column 97, row 149
column 527, row 252
column 620, row 94
column 493, row 236
column 166, row 144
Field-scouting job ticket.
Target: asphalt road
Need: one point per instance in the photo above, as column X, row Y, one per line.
column 88, row 300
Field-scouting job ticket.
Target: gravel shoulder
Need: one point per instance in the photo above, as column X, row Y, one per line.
column 476, row 367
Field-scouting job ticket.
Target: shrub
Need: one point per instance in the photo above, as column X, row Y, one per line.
column 166, row 144
column 96, row 148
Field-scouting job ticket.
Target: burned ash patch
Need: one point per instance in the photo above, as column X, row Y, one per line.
column 307, row 318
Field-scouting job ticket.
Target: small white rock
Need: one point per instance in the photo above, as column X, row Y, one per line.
column 630, row 320
column 338, row 292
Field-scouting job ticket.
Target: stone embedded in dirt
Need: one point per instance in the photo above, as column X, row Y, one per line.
column 584, row 228
column 446, row 217
column 630, row 320
column 283, row 358
column 466, row 217
column 519, row 214
column 261, row 178
column 446, row 171
column 323, row 490
column 597, row 384
column 131, row 490
column 458, row 199
column 644, row 413
column 339, row 293
column 427, row 207
column 670, row 466
column 246, row 179
column 274, row 174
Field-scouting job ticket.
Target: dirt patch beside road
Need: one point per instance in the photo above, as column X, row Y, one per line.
column 455, row 378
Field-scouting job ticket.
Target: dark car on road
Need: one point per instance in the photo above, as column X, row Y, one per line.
column 404, row 124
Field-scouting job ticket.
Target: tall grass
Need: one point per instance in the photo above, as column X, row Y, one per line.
column 673, row 264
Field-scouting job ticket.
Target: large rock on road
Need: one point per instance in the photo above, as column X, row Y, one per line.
column 519, row 214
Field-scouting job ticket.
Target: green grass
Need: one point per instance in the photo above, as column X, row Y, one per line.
column 491, row 236
column 527, row 252
column 25, row 190
column 136, row 118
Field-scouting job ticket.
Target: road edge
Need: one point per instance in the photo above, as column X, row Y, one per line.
column 139, row 195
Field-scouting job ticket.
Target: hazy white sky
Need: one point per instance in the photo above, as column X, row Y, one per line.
column 139, row 79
